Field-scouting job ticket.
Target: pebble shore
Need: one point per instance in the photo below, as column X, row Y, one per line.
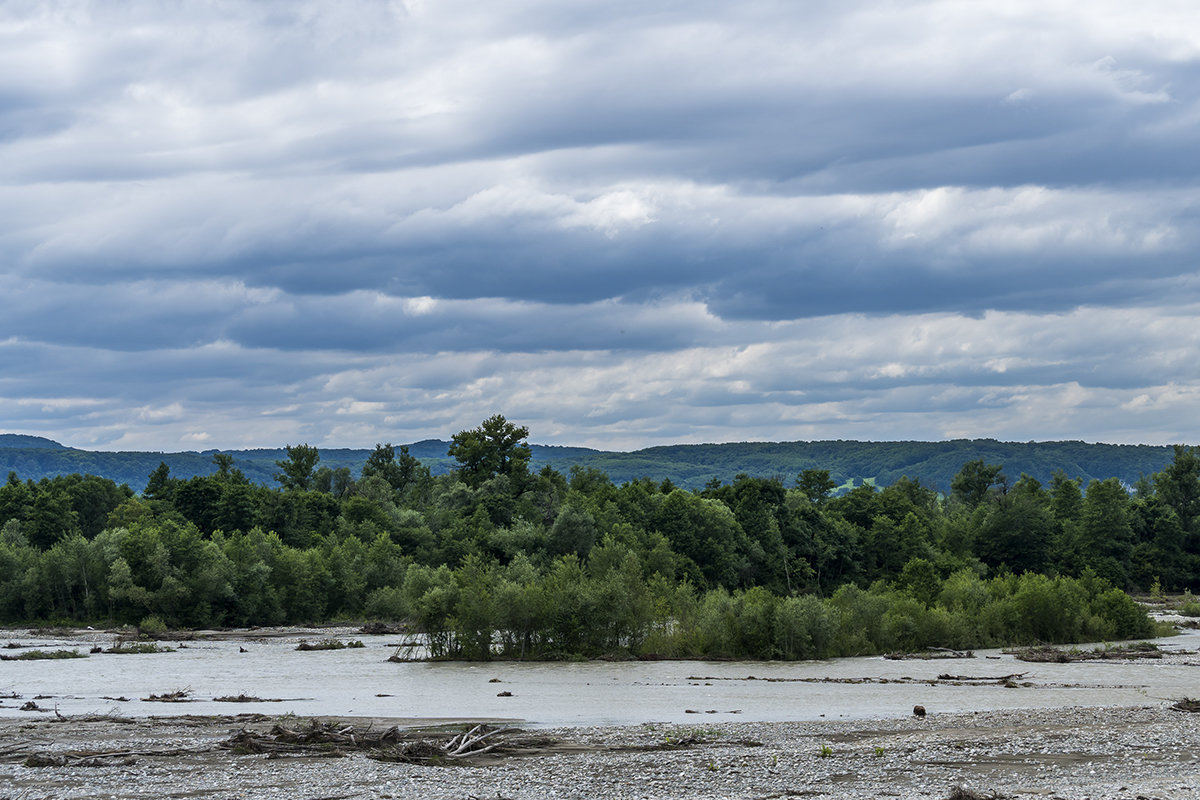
column 1129, row 753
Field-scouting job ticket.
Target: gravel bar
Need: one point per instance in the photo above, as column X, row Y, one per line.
column 1130, row 753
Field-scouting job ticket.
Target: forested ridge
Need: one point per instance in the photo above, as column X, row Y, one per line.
column 689, row 466
column 497, row 559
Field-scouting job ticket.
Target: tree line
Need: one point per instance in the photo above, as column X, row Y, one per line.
column 494, row 559
column 691, row 466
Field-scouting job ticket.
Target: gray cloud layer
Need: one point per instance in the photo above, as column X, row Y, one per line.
column 229, row 224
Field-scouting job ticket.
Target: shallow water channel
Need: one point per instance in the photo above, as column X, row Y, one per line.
column 361, row 682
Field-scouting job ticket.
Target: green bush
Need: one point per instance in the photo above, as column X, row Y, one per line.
column 805, row 627
column 386, row 603
column 1128, row 619
column 41, row 655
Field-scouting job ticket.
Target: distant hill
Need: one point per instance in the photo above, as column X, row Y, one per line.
column 15, row 440
column 691, row 466
column 934, row 463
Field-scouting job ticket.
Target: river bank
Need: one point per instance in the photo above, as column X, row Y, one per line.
column 1128, row 752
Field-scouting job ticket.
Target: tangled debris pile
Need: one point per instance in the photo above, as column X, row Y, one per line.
column 944, row 678
column 1186, row 704
column 77, row 760
column 177, row 696
column 124, row 757
column 963, row 793
column 1097, row 752
column 392, row 744
column 1009, row 681
column 930, row 654
column 1058, row 655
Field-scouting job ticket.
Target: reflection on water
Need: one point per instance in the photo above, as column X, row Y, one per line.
column 362, row 682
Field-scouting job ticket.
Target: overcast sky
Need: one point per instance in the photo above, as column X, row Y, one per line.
column 232, row 224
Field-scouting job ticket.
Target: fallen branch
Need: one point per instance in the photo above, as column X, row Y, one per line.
column 1002, row 680
column 177, row 696
column 1186, row 704
column 392, row 744
column 104, row 758
column 962, row 793
column 1056, row 655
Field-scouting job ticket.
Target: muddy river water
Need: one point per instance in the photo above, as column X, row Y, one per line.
column 362, row 682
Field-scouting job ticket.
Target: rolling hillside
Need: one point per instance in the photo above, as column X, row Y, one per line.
column 690, row 466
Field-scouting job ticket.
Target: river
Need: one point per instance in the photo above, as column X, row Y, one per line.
column 362, row 682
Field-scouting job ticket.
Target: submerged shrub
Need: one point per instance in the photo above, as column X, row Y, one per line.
column 40, row 655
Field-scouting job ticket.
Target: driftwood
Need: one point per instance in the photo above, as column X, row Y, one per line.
column 1009, row 680
column 117, row 718
column 392, row 744
column 963, row 793
column 1057, row 655
column 91, row 758
column 954, row 680
column 1186, row 704
column 125, row 648
column 104, row 758
column 177, row 696
column 931, row 653
column 406, row 652
column 68, row 760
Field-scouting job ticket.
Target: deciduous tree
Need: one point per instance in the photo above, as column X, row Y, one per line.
column 497, row 447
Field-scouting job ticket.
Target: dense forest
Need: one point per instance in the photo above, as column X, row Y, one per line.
column 689, row 466
column 496, row 559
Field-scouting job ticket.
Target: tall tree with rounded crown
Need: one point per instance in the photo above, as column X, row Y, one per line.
column 497, row 447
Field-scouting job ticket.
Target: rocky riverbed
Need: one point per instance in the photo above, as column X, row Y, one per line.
column 1142, row 752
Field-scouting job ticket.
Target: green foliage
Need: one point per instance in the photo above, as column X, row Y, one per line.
column 328, row 644
column 296, row 471
column 44, row 655
column 400, row 471
column 492, row 561
column 496, row 447
column 687, row 466
column 815, row 484
column 975, row 481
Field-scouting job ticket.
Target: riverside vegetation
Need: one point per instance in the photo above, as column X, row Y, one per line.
column 494, row 560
